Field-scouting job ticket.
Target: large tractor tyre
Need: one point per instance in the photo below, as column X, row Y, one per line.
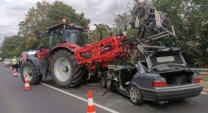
column 104, row 79
column 80, row 73
column 64, row 71
column 29, row 69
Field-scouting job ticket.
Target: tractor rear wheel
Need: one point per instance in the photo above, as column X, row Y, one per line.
column 29, row 69
column 64, row 71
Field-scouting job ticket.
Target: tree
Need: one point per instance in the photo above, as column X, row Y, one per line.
column 44, row 15
column 35, row 19
column 190, row 20
column 117, row 9
column 12, row 46
column 119, row 23
column 58, row 10
column 95, row 35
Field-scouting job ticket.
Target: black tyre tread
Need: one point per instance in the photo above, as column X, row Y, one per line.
column 36, row 79
column 76, row 83
column 104, row 77
column 78, row 72
column 78, row 78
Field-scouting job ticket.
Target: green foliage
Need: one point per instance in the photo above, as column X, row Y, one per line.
column 45, row 15
column 12, row 46
column 94, row 35
column 132, row 32
column 58, row 10
column 40, row 17
column 189, row 18
column 190, row 21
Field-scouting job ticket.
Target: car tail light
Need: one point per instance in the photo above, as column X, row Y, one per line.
column 196, row 80
column 159, row 83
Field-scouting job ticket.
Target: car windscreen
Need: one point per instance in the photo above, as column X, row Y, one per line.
column 7, row 60
column 32, row 53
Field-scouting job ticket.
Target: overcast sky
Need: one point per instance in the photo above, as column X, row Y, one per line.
column 13, row 11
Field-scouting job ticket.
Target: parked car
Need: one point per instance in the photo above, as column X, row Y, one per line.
column 7, row 62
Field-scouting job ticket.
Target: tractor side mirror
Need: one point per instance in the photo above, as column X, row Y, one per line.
column 37, row 34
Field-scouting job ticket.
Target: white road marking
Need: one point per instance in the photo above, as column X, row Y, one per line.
column 6, row 69
column 10, row 71
column 203, row 93
column 80, row 98
column 75, row 96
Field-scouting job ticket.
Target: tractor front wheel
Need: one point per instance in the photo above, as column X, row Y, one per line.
column 29, row 69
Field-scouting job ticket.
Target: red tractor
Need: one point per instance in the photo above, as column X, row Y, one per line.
column 69, row 60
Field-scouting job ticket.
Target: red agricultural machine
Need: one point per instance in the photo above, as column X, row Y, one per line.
column 69, row 60
column 153, row 72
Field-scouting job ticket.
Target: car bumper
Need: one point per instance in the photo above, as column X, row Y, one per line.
column 7, row 65
column 172, row 93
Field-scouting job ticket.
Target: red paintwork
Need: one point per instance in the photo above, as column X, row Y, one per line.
column 98, row 52
column 44, row 52
column 71, row 46
column 41, row 53
column 95, row 50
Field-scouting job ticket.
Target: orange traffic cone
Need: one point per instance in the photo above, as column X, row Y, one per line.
column 90, row 107
column 27, row 84
column 15, row 73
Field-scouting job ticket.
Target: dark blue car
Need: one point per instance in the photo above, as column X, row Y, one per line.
column 162, row 76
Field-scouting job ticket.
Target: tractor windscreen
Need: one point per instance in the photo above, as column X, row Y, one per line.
column 75, row 36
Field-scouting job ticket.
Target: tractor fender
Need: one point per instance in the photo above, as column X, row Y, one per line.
column 68, row 46
column 36, row 62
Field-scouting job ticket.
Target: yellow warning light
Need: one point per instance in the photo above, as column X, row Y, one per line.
column 64, row 20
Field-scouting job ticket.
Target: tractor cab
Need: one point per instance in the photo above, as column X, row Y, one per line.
column 66, row 33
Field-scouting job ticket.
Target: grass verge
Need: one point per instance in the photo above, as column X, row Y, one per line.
column 204, row 80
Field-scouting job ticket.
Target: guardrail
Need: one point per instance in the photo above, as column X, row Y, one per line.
column 202, row 71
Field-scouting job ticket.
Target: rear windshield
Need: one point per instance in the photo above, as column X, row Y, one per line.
column 157, row 60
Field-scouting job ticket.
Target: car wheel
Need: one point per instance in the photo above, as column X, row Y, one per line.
column 135, row 95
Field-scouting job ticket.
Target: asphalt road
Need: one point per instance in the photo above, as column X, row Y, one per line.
column 47, row 98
